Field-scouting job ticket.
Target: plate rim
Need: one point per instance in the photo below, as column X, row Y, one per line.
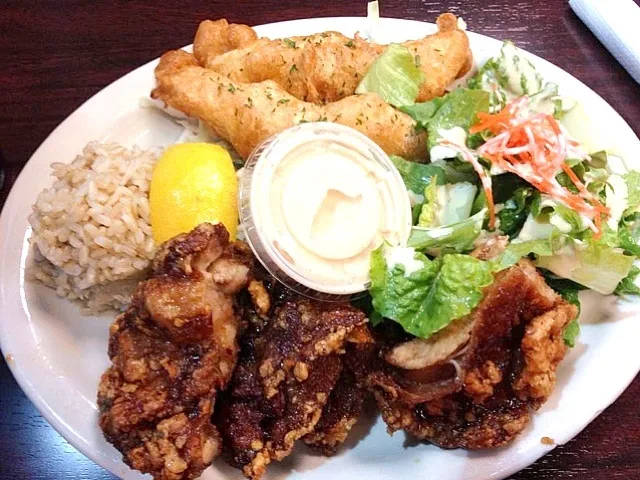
column 26, row 384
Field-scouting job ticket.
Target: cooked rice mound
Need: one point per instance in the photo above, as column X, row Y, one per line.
column 91, row 232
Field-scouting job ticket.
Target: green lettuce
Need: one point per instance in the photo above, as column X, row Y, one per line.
column 418, row 176
column 627, row 285
column 458, row 236
column 430, row 298
column 511, row 75
column 570, row 291
column 571, row 332
column 447, row 204
column 428, row 212
column 596, row 266
column 394, row 76
column 456, row 171
column 423, row 112
column 515, row 211
column 456, row 109
column 517, row 250
column 489, row 80
column 632, row 179
column 628, row 235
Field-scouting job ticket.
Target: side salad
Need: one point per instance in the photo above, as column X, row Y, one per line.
column 504, row 164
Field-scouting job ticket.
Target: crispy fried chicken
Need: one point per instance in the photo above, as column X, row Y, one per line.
column 479, row 395
column 289, row 365
column 172, row 350
column 340, row 413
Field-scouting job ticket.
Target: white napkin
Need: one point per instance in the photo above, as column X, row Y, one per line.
column 616, row 23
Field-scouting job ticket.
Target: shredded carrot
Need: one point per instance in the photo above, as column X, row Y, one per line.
column 533, row 146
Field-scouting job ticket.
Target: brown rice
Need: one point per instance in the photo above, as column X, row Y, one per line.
column 91, row 233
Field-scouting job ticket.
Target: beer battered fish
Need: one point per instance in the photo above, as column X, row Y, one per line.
column 326, row 67
column 214, row 38
column 245, row 114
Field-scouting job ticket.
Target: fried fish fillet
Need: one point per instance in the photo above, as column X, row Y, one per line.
column 245, row 114
column 483, row 396
column 214, row 38
column 289, row 364
column 326, row 67
column 172, row 350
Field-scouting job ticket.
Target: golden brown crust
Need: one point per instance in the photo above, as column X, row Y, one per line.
column 171, row 351
column 543, row 348
column 217, row 37
column 327, row 67
column 506, row 369
column 285, row 376
column 339, row 415
column 245, row 114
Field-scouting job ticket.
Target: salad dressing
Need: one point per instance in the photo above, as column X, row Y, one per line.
column 322, row 198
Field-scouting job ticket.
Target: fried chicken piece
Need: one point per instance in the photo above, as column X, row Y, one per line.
column 172, row 350
column 327, row 67
column 287, row 370
column 245, row 114
column 339, row 415
column 481, row 397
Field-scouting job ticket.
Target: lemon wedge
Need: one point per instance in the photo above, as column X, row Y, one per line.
column 193, row 183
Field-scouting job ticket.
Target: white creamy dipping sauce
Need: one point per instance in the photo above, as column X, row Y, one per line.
column 321, row 198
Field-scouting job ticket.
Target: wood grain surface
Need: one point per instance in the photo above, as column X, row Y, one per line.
column 55, row 54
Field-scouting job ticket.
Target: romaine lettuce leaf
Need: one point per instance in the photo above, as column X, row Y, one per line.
column 571, row 332
column 629, row 234
column 456, row 109
column 596, row 266
column 417, row 176
column 511, row 75
column 517, row 250
column 428, row 212
column 430, row 298
column 447, row 204
column 456, row 170
column 515, row 211
column 489, row 80
column 458, row 236
column 394, row 76
column 570, row 291
column 423, row 112
column 632, row 179
column 628, row 285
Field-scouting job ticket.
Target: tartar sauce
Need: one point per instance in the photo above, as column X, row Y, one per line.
column 316, row 200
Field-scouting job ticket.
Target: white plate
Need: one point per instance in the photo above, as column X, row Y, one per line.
column 57, row 355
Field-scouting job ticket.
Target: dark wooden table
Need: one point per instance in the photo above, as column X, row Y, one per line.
column 56, row 54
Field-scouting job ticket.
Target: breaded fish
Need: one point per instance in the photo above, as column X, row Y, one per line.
column 326, row 67
column 245, row 114
column 214, row 38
